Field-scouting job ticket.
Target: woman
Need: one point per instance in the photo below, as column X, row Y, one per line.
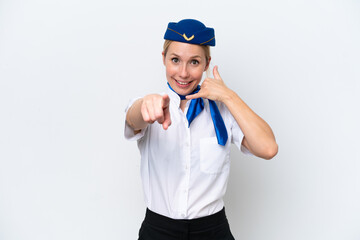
column 185, row 155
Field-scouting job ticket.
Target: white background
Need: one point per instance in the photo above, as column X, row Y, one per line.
column 69, row 67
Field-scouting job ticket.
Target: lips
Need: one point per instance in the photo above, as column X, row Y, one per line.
column 182, row 84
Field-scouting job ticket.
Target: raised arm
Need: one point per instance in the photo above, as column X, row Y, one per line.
column 149, row 109
column 258, row 136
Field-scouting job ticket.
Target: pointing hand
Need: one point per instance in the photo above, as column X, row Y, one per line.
column 155, row 108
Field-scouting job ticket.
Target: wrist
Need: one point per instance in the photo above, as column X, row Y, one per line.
column 229, row 97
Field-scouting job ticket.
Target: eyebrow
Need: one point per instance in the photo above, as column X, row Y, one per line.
column 196, row 56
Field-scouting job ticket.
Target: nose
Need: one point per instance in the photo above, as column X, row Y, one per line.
column 183, row 71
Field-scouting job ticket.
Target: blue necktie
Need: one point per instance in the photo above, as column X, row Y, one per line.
column 195, row 108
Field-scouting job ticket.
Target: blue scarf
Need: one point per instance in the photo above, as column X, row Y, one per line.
column 195, row 108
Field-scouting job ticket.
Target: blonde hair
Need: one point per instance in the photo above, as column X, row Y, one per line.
column 206, row 49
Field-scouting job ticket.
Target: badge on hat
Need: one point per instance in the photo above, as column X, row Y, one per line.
column 190, row 31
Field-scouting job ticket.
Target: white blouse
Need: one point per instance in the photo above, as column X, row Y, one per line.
column 184, row 170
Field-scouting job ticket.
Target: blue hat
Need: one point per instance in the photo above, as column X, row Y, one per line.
column 190, row 31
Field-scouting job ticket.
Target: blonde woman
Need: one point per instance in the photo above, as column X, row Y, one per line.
column 184, row 138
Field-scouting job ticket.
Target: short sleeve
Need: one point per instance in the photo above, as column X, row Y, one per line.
column 237, row 135
column 129, row 132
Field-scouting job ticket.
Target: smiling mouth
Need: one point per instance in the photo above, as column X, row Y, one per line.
column 183, row 84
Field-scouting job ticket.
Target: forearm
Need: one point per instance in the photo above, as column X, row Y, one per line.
column 134, row 117
column 258, row 135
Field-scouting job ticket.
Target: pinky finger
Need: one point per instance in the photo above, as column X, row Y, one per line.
column 193, row 96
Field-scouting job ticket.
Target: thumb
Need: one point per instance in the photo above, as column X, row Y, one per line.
column 165, row 101
column 216, row 72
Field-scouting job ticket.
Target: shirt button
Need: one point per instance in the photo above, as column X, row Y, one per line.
column 183, row 215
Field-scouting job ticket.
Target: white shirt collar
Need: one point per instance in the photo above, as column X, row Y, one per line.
column 175, row 98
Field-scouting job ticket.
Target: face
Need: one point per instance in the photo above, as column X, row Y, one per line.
column 185, row 64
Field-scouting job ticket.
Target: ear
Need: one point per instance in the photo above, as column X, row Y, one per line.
column 207, row 65
column 163, row 55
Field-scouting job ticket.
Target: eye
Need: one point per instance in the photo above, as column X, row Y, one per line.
column 194, row 62
column 175, row 60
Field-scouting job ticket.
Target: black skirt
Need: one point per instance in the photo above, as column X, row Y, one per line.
column 158, row 227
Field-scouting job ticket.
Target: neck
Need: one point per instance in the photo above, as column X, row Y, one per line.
column 183, row 104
